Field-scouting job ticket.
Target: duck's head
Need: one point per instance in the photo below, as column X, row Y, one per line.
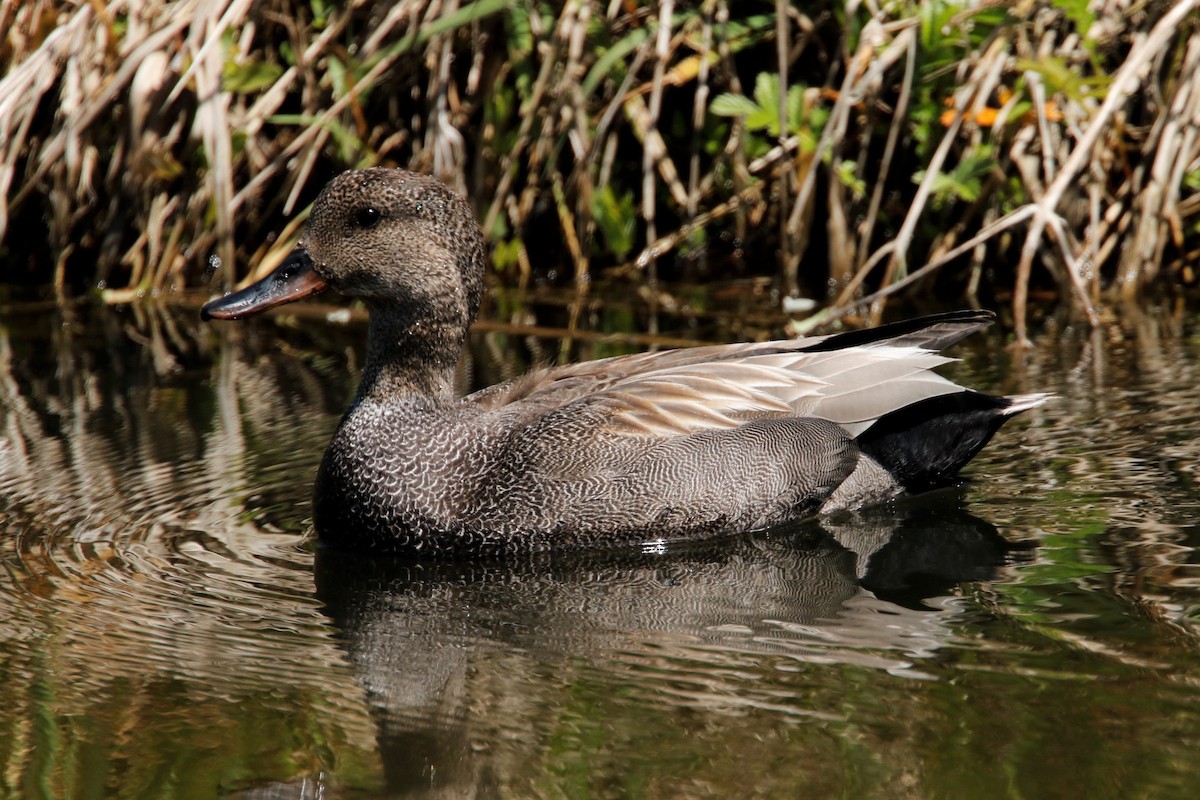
column 391, row 237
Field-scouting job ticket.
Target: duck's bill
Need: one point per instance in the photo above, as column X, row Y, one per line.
column 291, row 280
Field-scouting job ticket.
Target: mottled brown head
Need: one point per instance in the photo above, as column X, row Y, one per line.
column 390, row 237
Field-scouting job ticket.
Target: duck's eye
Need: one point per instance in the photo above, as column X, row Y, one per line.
column 367, row 217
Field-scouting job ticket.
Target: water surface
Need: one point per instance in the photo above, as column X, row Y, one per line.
column 167, row 627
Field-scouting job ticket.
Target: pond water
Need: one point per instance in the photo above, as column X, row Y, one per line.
column 168, row 629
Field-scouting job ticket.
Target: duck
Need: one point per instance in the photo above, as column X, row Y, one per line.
column 637, row 450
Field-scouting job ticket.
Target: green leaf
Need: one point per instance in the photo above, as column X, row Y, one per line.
column 520, row 32
column 613, row 57
column 795, row 108
column 321, row 11
column 964, row 182
column 1019, row 110
column 763, row 114
column 766, row 91
column 250, row 76
column 616, row 217
column 465, row 15
column 443, row 24
column 846, row 174
column 506, row 255
column 733, row 105
column 336, row 71
column 1062, row 77
column 351, row 149
column 1077, row 11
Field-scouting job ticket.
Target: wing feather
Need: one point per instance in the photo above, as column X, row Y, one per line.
column 720, row 387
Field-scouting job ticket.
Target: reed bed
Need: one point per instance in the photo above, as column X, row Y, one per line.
column 852, row 151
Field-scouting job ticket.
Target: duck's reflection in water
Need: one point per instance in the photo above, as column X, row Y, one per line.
column 472, row 669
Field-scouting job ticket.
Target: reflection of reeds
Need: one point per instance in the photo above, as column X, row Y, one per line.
column 136, row 575
column 863, row 140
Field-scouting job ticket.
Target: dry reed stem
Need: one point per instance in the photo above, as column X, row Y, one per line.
column 791, row 282
column 669, row 242
column 1124, row 83
column 212, row 117
column 834, row 313
column 889, row 149
column 653, row 151
column 984, row 79
column 50, row 54
column 504, row 186
column 866, row 69
column 1158, row 214
column 197, row 165
column 906, row 41
column 699, row 110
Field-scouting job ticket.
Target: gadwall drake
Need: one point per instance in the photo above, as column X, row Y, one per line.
column 630, row 450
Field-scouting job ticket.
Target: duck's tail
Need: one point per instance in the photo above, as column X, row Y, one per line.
column 925, row 444
column 1023, row 402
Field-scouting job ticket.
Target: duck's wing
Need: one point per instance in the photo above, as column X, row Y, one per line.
column 852, row 379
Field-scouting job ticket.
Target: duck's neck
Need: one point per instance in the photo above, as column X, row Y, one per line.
column 411, row 357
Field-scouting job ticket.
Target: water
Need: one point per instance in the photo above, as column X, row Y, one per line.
column 168, row 629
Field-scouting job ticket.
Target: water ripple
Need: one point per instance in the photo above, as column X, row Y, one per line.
column 149, row 547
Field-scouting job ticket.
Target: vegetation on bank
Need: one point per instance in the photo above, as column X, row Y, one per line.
column 852, row 151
